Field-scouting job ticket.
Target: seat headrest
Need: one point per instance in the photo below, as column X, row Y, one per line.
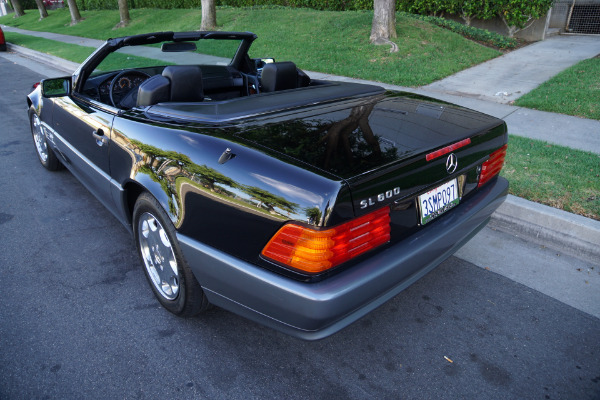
column 279, row 76
column 153, row 90
column 186, row 82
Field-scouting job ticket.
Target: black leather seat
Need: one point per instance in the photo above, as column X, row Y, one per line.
column 186, row 82
column 279, row 76
column 156, row 89
column 178, row 83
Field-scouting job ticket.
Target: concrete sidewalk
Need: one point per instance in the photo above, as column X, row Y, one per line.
column 577, row 235
column 506, row 78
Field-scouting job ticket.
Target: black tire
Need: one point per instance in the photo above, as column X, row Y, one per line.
column 45, row 154
column 188, row 299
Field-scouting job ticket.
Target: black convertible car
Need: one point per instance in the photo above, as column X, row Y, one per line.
column 301, row 204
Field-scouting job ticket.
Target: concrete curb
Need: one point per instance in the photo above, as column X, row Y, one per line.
column 53, row 61
column 577, row 235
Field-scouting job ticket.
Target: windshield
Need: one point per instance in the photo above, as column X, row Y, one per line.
column 208, row 52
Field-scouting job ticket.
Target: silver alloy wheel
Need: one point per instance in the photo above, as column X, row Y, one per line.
column 39, row 139
column 159, row 259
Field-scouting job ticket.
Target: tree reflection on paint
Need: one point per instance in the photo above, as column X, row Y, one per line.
column 164, row 167
column 346, row 146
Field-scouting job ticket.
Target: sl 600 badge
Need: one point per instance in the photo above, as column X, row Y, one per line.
column 371, row 201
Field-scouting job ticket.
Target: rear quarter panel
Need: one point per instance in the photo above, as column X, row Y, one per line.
column 236, row 205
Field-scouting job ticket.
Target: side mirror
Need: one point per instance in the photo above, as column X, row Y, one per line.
column 56, row 87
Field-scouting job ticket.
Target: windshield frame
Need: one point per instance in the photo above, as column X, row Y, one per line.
column 89, row 65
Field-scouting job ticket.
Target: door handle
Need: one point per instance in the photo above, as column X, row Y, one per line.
column 100, row 138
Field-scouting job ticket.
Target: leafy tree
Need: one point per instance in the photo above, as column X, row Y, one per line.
column 433, row 7
column 313, row 214
column 270, row 200
column 469, row 9
column 210, row 176
column 383, row 27
column 520, row 14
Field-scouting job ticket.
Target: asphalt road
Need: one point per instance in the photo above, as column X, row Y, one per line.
column 78, row 319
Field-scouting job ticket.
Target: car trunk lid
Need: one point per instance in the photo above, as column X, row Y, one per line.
column 379, row 145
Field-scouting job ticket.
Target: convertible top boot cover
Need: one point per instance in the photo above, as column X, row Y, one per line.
column 152, row 91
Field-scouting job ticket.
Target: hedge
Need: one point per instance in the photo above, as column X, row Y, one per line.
column 480, row 35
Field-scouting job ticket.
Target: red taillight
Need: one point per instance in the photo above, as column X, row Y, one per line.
column 315, row 251
column 448, row 149
column 493, row 165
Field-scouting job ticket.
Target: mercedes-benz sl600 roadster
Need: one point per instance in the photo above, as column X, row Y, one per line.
column 299, row 203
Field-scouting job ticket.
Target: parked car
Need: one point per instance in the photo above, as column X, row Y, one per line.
column 301, row 204
column 2, row 41
column 52, row 4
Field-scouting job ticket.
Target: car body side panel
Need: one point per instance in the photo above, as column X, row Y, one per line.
column 217, row 190
column 76, row 122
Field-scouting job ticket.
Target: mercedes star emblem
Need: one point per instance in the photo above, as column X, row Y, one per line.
column 451, row 163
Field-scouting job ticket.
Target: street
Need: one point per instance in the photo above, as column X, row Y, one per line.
column 78, row 319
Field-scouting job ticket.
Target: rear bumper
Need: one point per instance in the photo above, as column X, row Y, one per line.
column 313, row 311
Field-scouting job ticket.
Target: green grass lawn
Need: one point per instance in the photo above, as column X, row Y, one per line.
column 324, row 41
column 554, row 175
column 76, row 53
column 575, row 91
column 71, row 52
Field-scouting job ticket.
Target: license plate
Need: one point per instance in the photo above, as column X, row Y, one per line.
column 437, row 201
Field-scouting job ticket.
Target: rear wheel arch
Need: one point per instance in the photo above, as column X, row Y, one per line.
column 168, row 274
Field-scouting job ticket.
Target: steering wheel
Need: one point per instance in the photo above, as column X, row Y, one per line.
column 129, row 99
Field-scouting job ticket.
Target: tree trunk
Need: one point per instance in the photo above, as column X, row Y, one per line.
column 466, row 17
column 42, row 8
column 383, row 27
column 18, row 8
column 74, row 10
column 209, row 16
column 124, row 14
